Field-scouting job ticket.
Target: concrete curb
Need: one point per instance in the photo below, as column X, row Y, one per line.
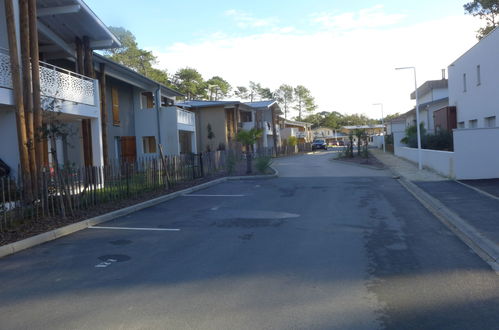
column 72, row 228
column 486, row 249
column 478, row 190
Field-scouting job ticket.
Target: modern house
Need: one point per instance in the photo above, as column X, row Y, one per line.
column 218, row 122
column 267, row 113
column 121, row 115
column 331, row 136
column 140, row 115
column 300, row 130
column 61, row 32
column 473, row 90
column 433, row 95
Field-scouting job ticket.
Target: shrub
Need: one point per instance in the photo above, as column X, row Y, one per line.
column 263, row 163
column 292, row 141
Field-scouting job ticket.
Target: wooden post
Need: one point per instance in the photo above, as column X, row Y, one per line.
column 26, row 77
column 35, row 76
column 18, row 98
column 86, row 130
column 103, row 111
column 274, row 130
column 79, row 56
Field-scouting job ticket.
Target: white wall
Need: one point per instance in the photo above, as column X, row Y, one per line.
column 378, row 141
column 442, row 162
column 169, row 131
column 477, row 153
column 480, row 101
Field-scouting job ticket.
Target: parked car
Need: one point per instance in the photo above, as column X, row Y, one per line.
column 319, row 144
column 341, row 143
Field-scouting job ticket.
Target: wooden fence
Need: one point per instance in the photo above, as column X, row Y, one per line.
column 69, row 191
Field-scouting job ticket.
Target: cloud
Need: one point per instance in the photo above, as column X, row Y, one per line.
column 245, row 20
column 346, row 72
column 365, row 18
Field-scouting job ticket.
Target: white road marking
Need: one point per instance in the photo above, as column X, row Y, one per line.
column 134, row 228
column 193, row 195
column 106, row 263
column 215, row 208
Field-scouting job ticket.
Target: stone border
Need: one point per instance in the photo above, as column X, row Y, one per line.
column 29, row 242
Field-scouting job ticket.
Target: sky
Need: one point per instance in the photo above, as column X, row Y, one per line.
column 345, row 52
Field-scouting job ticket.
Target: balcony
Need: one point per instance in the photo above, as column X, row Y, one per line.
column 55, row 82
column 186, row 120
column 301, row 135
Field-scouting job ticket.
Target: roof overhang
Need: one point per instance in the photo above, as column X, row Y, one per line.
column 60, row 22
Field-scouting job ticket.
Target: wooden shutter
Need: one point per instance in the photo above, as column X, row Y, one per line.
column 150, row 102
column 116, row 106
column 128, row 149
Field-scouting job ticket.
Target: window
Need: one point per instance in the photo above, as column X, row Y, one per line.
column 478, row 76
column 460, row 124
column 245, row 116
column 473, row 123
column 464, row 83
column 490, row 122
column 149, row 144
column 115, row 106
column 147, row 100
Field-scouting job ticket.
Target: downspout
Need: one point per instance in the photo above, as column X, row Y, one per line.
column 157, row 105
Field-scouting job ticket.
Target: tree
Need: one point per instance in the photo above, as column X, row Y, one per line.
column 487, row 10
column 190, row 82
column 249, row 138
column 284, row 94
column 389, row 118
column 242, row 92
column 135, row 58
column 304, row 100
column 218, row 88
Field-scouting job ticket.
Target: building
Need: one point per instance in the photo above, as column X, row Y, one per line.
column 217, row 122
column 301, row 130
column 266, row 113
column 331, row 136
column 66, row 34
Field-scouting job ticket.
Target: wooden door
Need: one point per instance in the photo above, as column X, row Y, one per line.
column 128, row 149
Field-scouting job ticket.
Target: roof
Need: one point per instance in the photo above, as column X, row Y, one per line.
column 429, row 85
column 363, row 126
column 261, row 104
column 206, row 104
column 61, row 21
column 297, row 123
column 135, row 78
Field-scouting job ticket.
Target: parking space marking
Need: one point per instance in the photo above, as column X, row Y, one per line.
column 135, row 228
column 200, row 195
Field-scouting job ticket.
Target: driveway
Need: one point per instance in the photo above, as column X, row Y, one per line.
column 325, row 246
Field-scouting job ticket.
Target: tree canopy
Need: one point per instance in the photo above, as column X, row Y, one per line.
column 190, row 82
column 135, row 58
column 218, row 88
column 285, row 95
column 304, row 102
column 487, row 10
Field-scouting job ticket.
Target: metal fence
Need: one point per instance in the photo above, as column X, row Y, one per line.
column 69, row 191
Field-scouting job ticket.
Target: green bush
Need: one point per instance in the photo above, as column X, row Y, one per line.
column 442, row 140
column 263, row 163
column 292, row 141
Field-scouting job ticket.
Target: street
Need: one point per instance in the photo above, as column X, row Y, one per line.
column 327, row 245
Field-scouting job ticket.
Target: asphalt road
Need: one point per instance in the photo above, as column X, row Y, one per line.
column 325, row 246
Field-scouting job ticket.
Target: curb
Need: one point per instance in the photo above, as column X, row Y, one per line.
column 482, row 246
column 29, row 242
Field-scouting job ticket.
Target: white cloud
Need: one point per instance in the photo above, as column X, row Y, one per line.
column 245, row 20
column 365, row 18
column 346, row 72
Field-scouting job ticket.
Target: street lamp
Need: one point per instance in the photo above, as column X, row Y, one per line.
column 382, row 123
column 420, row 164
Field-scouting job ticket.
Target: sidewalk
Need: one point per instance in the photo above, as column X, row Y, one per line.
column 470, row 213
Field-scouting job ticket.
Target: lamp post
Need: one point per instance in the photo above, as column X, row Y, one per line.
column 382, row 123
column 420, row 163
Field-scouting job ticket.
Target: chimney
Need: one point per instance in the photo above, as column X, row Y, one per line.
column 443, row 74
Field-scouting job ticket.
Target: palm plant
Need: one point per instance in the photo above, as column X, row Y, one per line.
column 249, row 138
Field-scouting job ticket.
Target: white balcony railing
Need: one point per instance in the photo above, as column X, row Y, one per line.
column 185, row 117
column 55, row 82
column 301, row 135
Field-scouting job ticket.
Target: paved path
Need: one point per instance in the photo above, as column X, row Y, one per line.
column 405, row 168
column 325, row 246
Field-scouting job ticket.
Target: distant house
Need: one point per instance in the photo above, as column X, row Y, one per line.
column 267, row 113
column 298, row 129
column 328, row 134
column 218, row 122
